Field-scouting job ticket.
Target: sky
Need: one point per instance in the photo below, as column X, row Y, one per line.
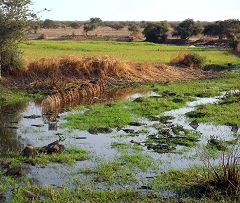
column 138, row 10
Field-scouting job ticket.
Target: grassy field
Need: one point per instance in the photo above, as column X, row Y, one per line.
column 130, row 51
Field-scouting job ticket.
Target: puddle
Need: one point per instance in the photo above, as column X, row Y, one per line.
column 16, row 131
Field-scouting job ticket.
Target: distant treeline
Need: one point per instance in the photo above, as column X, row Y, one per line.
column 155, row 31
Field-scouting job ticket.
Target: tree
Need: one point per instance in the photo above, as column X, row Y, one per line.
column 133, row 28
column 116, row 26
column 48, row 24
column 75, row 25
column 231, row 28
column 92, row 24
column 89, row 27
column 188, row 28
column 96, row 21
column 223, row 29
column 15, row 20
column 156, row 32
column 214, row 29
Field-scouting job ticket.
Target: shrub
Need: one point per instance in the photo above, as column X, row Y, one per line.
column 156, row 32
column 49, row 24
column 188, row 28
column 42, row 36
column 11, row 58
column 75, row 25
column 226, row 177
column 133, row 28
column 15, row 18
column 89, row 27
column 189, row 60
column 116, row 26
column 235, row 45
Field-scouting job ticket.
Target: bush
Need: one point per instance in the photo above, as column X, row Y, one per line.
column 11, row 58
column 42, row 36
column 156, row 32
column 75, row 25
column 235, row 45
column 133, row 28
column 189, row 60
column 188, row 28
column 15, row 20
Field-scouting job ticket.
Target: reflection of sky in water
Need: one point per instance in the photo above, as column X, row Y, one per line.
column 100, row 145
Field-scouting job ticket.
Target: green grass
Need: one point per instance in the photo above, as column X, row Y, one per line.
column 130, row 51
column 11, row 97
column 121, row 170
column 149, row 107
column 8, row 96
column 69, row 156
column 121, row 113
column 222, row 113
column 206, row 88
column 99, row 115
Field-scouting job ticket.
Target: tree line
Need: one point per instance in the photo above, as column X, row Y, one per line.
column 157, row 31
column 16, row 19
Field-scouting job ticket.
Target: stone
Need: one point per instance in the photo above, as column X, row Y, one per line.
column 194, row 124
column 32, row 116
column 128, row 130
column 29, row 151
column 136, row 124
column 15, row 171
column 96, row 130
column 53, row 148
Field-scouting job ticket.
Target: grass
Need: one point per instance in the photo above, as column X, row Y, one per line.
column 130, row 51
column 11, row 97
column 121, row 113
column 152, row 106
column 206, row 88
column 223, row 113
column 201, row 184
column 121, row 170
column 99, row 115
column 69, row 156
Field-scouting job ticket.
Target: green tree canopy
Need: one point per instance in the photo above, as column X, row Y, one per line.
column 15, row 19
column 156, row 32
column 188, row 28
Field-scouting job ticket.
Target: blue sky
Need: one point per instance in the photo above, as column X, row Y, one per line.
column 138, row 10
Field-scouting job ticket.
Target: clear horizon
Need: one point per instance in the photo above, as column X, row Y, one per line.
column 138, row 10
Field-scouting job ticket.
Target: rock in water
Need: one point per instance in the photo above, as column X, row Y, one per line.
column 136, row 124
column 15, row 171
column 95, row 131
column 194, row 124
column 128, row 130
column 29, row 151
column 53, row 148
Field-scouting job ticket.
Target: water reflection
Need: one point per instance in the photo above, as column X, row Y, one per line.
column 14, row 123
column 9, row 118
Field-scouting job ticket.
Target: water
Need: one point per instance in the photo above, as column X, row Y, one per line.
column 17, row 131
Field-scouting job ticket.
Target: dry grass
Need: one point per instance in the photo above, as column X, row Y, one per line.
column 185, row 59
column 225, row 177
column 64, row 72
